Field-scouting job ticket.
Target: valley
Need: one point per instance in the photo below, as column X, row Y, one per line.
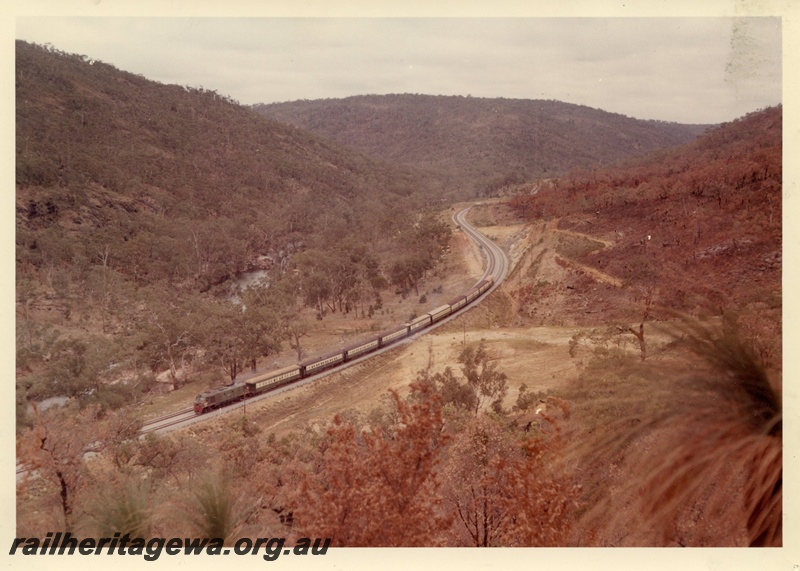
column 630, row 362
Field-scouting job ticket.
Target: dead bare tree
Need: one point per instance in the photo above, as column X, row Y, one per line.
column 647, row 298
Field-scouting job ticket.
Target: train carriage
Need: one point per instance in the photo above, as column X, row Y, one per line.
column 223, row 396
column 479, row 289
column 317, row 364
column 363, row 347
column 419, row 323
column 392, row 335
column 486, row 284
column 440, row 312
column 457, row 303
column 273, row 379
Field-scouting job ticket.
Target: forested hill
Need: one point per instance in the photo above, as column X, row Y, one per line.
column 699, row 224
column 137, row 206
column 480, row 143
column 179, row 183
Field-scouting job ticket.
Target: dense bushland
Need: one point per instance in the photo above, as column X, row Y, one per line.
column 137, row 206
column 475, row 145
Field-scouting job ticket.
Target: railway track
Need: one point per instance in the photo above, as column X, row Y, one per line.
column 496, row 263
column 167, row 421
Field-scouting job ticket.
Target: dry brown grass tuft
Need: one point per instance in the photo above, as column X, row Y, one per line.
column 690, row 450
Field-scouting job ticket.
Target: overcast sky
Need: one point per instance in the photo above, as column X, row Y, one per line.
column 690, row 70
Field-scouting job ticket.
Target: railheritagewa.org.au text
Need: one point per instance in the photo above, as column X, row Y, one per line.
column 269, row 548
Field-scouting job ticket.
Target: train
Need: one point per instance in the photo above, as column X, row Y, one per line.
column 229, row 394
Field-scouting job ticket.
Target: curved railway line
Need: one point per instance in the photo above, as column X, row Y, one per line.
column 496, row 268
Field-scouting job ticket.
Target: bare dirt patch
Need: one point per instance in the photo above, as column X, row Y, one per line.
column 537, row 357
column 534, row 352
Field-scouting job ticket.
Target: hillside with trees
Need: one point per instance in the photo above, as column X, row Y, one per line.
column 479, row 145
column 105, row 155
column 677, row 257
column 696, row 228
column 139, row 204
column 622, row 386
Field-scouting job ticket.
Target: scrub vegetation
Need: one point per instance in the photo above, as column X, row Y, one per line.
column 623, row 387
